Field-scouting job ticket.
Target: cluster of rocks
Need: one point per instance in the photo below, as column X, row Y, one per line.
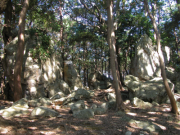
column 97, row 80
column 145, row 81
column 40, row 78
column 75, row 101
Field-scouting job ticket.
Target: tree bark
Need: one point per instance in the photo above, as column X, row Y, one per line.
column 113, row 59
column 19, row 56
column 3, row 5
column 61, row 33
column 161, row 60
column 7, row 35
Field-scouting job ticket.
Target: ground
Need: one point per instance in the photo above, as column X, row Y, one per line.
column 111, row 123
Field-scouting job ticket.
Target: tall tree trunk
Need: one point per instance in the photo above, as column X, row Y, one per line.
column 113, row 59
column 19, row 56
column 161, row 60
column 7, row 35
column 61, row 34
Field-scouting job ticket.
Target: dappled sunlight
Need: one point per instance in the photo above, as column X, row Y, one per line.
column 153, row 118
column 48, row 132
column 45, row 77
column 4, row 130
column 33, row 89
column 131, row 114
column 153, row 113
column 159, row 125
column 33, row 128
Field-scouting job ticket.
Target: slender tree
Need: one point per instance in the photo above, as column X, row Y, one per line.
column 113, row 59
column 161, row 59
column 19, row 56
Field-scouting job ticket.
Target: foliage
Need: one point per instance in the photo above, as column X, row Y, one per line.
column 44, row 49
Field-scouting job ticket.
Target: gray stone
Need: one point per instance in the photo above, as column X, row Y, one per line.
column 141, row 104
column 64, row 87
column 36, row 73
column 22, row 103
column 145, row 64
column 45, row 101
column 84, row 114
column 177, row 87
column 171, row 74
column 71, row 77
column 17, row 109
column 146, row 125
column 128, row 133
column 152, row 90
column 79, row 105
column 60, row 101
column 97, row 80
column 14, row 111
column 99, row 111
column 43, row 112
column 82, row 93
column 111, row 96
column 93, row 106
column 57, row 96
column 34, row 103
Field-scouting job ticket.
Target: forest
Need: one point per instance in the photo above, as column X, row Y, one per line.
column 90, row 67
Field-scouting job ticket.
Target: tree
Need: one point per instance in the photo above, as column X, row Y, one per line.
column 113, row 59
column 161, row 59
column 7, row 34
column 19, row 56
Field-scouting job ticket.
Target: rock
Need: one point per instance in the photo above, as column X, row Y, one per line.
column 82, row 93
column 34, row 103
column 18, row 108
column 45, row 101
column 111, row 96
column 145, row 125
column 36, row 73
column 22, row 103
column 64, row 87
column 171, row 74
column 71, row 77
column 101, row 109
column 78, row 95
column 141, row 104
column 112, row 104
column 145, row 64
column 57, row 96
column 178, row 106
column 59, row 101
column 166, row 53
column 177, row 87
column 14, row 111
column 43, row 112
column 40, row 102
column 152, row 90
column 84, row 114
column 128, row 133
column 79, row 105
column 58, row 86
column 98, row 81
column 93, row 106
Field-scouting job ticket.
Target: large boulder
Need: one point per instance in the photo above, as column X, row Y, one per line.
column 58, row 86
column 145, row 64
column 44, row 112
column 97, row 80
column 71, row 77
column 152, row 90
column 18, row 108
column 36, row 73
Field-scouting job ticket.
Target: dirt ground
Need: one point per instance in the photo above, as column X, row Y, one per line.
column 111, row 123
